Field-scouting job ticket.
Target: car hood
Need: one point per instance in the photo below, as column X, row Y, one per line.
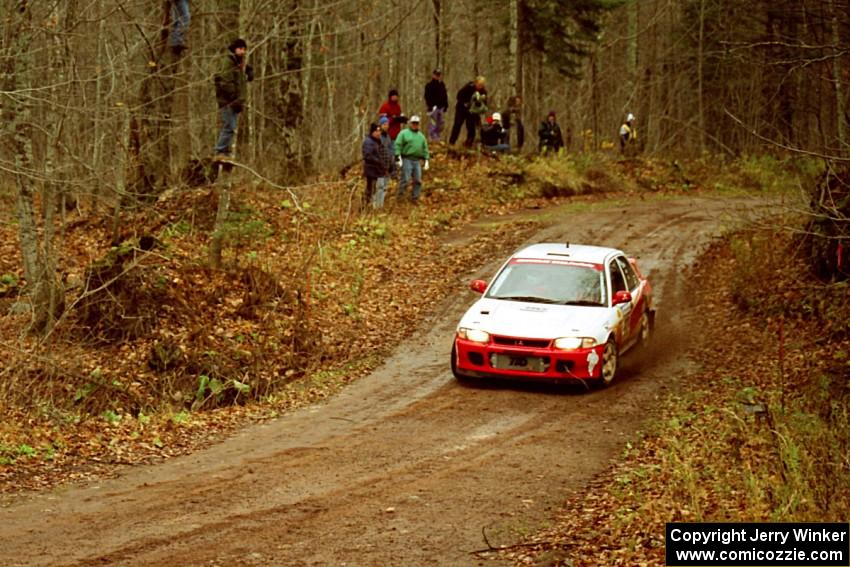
column 537, row 320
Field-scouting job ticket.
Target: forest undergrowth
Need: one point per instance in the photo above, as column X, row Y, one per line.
column 157, row 353
column 758, row 433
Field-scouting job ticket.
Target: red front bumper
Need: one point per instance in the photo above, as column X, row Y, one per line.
column 478, row 360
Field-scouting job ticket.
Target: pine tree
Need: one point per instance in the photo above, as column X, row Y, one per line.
column 564, row 31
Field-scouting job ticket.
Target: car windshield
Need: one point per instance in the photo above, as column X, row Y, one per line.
column 555, row 283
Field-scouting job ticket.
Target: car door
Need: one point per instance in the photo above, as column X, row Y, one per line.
column 624, row 310
column 638, row 302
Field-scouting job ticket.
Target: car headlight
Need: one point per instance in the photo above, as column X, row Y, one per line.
column 474, row 335
column 573, row 343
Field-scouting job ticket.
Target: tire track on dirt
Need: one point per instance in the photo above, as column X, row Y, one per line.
column 403, row 467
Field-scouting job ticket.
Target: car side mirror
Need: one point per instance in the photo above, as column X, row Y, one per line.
column 479, row 286
column 622, row 297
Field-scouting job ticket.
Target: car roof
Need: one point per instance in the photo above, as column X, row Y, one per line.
column 567, row 251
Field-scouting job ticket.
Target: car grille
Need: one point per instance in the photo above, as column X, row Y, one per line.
column 510, row 341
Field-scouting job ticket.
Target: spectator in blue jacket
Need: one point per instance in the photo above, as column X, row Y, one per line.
column 375, row 161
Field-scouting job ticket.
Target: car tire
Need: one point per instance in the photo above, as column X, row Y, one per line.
column 458, row 377
column 645, row 336
column 610, row 364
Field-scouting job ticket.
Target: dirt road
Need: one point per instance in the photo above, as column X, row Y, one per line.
column 406, row 466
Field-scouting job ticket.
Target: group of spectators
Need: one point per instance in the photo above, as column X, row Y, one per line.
column 391, row 149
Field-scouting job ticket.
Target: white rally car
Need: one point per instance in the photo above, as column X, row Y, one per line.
column 555, row 312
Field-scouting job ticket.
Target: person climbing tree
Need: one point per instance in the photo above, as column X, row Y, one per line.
column 180, row 18
column 231, row 90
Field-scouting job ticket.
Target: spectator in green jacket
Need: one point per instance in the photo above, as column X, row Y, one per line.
column 411, row 147
column 231, row 91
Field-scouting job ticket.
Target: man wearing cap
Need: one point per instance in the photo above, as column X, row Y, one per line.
column 493, row 135
column 436, row 103
column 231, row 91
column 391, row 108
column 391, row 169
column 411, row 147
column 389, row 145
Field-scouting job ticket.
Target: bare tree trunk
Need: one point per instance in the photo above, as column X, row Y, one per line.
column 97, row 145
column 223, row 182
column 700, row 76
column 632, row 47
column 594, row 101
column 181, row 133
column 307, row 77
column 42, row 287
column 439, row 33
column 513, row 49
column 290, row 96
column 837, row 78
column 152, row 121
column 475, row 38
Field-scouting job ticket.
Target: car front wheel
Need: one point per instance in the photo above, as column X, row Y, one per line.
column 457, row 376
column 610, row 363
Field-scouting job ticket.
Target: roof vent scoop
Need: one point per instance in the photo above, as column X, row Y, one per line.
column 568, row 244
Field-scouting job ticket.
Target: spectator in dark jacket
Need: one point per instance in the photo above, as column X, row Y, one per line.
column 493, row 136
column 551, row 139
column 465, row 113
column 375, row 162
column 436, row 104
column 389, row 151
column 389, row 144
column 231, row 91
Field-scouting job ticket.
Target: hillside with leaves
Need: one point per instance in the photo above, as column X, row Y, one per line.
column 157, row 353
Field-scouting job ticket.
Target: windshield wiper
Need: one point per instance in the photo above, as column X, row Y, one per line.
column 582, row 302
column 527, row 298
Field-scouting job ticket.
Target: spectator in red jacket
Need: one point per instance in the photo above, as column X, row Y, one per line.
column 392, row 110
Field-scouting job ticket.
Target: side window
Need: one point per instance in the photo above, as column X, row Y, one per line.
column 618, row 283
column 629, row 272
